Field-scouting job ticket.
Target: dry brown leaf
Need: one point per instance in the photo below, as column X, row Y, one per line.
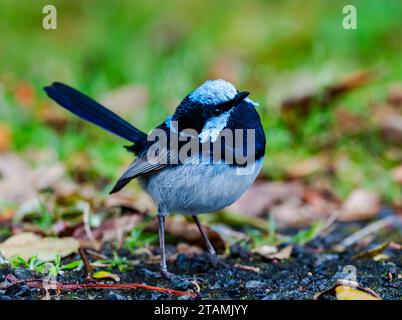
column 53, row 117
column 395, row 245
column 6, row 215
column 391, row 127
column 248, row 268
column 111, row 229
column 262, row 196
column 308, row 167
column 361, row 204
column 137, row 202
column 225, row 67
column 294, row 213
column 126, row 100
column 271, row 252
column 348, row 293
column 327, row 95
column 265, row 250
column 283, row 254
column 5, row 137
column 349, row 123
column 24, row 94
column 188, row 250
column 27, row 245
column 396, row 174
column 395, row 95
column 20, row 183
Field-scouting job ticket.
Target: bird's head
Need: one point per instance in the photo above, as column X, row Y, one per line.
column 214, row 99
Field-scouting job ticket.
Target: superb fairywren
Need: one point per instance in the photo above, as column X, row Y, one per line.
column 197, row 159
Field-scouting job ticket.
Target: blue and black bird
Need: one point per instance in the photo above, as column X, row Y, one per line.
column 204, row 180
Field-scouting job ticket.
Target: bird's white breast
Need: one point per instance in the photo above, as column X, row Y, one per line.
column 198, row 188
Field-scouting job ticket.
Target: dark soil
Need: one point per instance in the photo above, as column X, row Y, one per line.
column 312, row 268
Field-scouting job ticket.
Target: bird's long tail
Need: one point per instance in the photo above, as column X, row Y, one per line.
column 90, row 110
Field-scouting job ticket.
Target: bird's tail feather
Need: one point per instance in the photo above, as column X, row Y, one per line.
column 90, row 110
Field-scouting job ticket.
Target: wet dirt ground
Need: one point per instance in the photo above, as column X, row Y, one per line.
column 312, row 268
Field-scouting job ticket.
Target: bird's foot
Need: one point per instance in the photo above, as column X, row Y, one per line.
column 217, row 263
column 177, row 278
column 167, row 275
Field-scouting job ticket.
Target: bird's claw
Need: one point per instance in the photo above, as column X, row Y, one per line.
column 217, row 263
column 176, row 278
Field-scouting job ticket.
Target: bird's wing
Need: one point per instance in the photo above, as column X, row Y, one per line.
column 142, row 165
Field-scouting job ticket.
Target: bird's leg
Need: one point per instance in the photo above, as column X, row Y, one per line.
column 215, row 260
column 164, row 272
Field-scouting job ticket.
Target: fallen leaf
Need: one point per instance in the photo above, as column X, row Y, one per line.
column 20, row 183
column 348, row 290
column 381, row 257
column 106, row 275
column 127, row 100
column 54, row 117
column 5, row 137
column 372, row 253
column 25, row 94
column 28, row 245
column 129, row 202
column 6, row 215
column 391, row 128
column 349, row 123
column 395, row 245
column 188, row 250
column 295, row 214
column 111, row 229
column 283, row 254
column 271, row 252
column 348, row 293
column 396, row 174
column 361, row 204
column 308, row 167
column 225, row 67
column 303, row 102
column 227, row 232
column 265, row 250
column 395, row 95
column 262, row 196
column 248, row 268
column 239, row 220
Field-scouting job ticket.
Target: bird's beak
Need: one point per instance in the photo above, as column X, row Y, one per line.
column 240, row 97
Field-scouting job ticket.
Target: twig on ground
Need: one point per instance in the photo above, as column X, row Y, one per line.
column 371, row 228
column 38, row 283
column 86, row 220
column 96, row 255
column 87, row 265
column 248, row 268
column 328, row 223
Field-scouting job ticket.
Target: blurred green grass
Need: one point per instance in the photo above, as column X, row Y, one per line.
column 170, row 47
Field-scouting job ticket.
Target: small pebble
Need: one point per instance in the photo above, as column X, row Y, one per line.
column 114, row 296
column 20, row 290
column 23, row 274
column 254, row 284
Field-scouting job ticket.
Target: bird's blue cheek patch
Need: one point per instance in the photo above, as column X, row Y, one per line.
column 214, row 126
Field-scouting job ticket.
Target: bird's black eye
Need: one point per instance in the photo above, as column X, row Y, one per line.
column 216, row 111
